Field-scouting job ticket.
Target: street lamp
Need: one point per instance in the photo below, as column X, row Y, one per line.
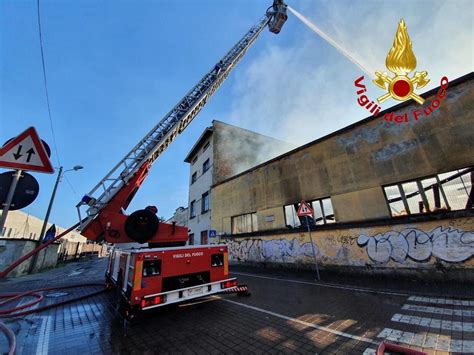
column 58, row 180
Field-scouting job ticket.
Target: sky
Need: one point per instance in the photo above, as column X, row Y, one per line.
column 114, row 68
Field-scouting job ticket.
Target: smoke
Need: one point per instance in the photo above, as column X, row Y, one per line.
column 239, row 150
column 305, row 90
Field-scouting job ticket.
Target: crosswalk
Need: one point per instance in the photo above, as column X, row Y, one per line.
column 432, row 324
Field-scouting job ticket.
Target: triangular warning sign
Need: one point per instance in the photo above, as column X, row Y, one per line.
column 304, row 210
column 26, row 152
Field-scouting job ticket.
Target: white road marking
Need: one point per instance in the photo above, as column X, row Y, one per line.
column 434, row 323
column 44, row 333
column 434, row 300
column 323, row 284
column 307, row 324
column 431, row 341
column 439, row 310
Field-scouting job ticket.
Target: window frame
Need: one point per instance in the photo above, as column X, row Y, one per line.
column 204, row 168
column 192, row 209
column 432, row 208
column 203, row 200
column 193, row 177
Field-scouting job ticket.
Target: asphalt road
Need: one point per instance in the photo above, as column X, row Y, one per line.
column 286, row 313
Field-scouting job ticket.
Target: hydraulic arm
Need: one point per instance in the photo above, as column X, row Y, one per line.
column 104, row 205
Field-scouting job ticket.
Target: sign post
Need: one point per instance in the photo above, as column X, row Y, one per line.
column 6, row 205
column 306, row 211
column 24, row 152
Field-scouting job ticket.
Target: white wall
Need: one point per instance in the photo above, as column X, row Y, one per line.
column 202, row 222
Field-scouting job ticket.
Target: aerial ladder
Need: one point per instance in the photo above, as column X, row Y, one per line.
column 164, row 271
column 102, row 210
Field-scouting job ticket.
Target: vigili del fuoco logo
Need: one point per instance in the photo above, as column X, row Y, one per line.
column 401, row 61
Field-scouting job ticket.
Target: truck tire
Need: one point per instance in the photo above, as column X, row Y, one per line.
column 141, row 225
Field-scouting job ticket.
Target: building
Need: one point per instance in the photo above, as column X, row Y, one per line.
column 21, row 225
column 222, row 151
column 387, row 196
column 180, row 217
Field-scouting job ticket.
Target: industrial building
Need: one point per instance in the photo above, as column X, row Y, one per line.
column 222, row 151
column 385, row 194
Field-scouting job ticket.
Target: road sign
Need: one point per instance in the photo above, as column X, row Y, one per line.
column 212, row 233
column 26, row 191
column 305, row 210
column 45, row 145
column 26, row 152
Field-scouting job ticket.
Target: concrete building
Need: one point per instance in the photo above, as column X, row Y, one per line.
column 21, row 235
column 387, row 196
column 222, row 151
column 21, row 225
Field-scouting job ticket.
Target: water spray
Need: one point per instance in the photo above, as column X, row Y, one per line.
column 333, row 43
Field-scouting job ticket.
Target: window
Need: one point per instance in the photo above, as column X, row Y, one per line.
column 191, row 239
column 205, row 146
column 192, row 209
column 205, row 202
column 323, row 214
column 245, row 223
column 444, row 192
column 194, row 160
column 205, row 166
column 151, row 268
column 203, row 237
column 193, row 178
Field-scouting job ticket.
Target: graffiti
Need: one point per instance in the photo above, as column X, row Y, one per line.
column 276, row 250
column 447, row 244
column 346, row 240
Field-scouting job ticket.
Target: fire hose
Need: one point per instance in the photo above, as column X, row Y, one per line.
column 10, row 297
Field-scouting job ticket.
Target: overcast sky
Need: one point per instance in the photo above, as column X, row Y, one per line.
column 114, row 68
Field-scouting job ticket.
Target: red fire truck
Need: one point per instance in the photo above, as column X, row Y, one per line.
column 152, row 277
column 164, row 270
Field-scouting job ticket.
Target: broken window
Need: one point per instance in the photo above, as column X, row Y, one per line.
column 323, row 213
column 245, row 223
column 444, row 192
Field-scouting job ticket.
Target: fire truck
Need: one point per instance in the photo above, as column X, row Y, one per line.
column 163, row 270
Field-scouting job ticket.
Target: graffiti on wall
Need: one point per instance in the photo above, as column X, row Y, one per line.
column 276, row 250
column 445, row 243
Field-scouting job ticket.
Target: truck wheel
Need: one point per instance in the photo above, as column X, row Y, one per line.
column 142, row 225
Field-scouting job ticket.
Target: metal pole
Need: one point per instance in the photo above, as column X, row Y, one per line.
column 46, row 218
column 312, row 247
column 8, row 202
column 53, row 195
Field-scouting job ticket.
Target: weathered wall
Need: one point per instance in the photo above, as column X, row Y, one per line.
column 364, row 156
column 16, row 248
column 427, row 249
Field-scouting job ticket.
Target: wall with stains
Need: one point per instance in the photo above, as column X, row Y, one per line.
column 352, row 164
column 433, row 247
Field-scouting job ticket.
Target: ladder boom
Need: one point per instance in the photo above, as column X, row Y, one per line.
column 160, row 137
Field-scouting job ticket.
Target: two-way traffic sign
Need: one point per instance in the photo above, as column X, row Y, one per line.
column 26, row 152
column 305, row 210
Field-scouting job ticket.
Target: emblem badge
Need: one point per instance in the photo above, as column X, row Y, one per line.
column 401, row 61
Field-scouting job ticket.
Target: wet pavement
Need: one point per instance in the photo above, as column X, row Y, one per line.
column 287, row 313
